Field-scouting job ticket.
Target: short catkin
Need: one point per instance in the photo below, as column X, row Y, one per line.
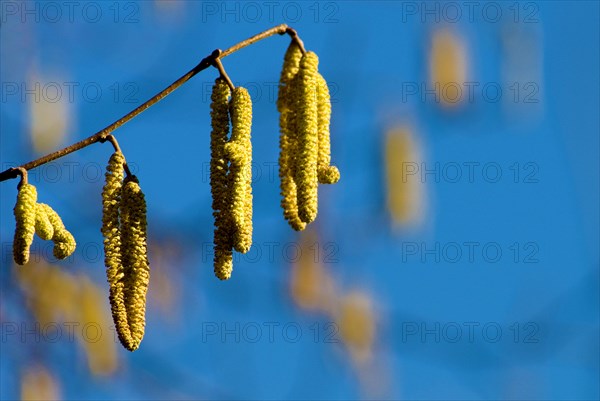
column 111, row 231
column 287, row 137
column 134, row 256
column 64, row 242
column 25, row 217
column 43, row 227
column 239, row 152
column 327, row 174
column 306, row 124
column 219, row 165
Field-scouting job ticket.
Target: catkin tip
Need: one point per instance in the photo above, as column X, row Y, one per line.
column 223, row 264
column 329, row 175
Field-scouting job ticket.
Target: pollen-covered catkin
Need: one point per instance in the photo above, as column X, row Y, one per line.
column 111, row 231
column 219, row 165
column 25, row 212
column 239, row 152
column 134, row 255
column 327, row 174
column 306, row 125
column 64, row 243
column 43, row 227
column 287, row 137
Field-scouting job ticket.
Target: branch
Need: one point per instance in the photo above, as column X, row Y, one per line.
column 103, row 135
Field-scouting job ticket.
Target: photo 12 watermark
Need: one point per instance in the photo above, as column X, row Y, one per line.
column 316, row 12
column 264, row 91
column 70, row 12
column 469, row 332
column 471, row 252
column 287, row 252
column 470, row 92
column 453, row 12
column 69, row 92
column 454, row 172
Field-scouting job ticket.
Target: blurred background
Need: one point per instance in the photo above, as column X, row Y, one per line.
column 457, row 258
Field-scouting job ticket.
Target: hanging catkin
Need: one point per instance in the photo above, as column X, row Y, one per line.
column 327, row 174
column 111, row 231
column 43, row 227
column 306, row 125
column 219, row 165
column 64, row 242
column 134, row 256
column 25, row 212
column 239, row 152
column 287, row 137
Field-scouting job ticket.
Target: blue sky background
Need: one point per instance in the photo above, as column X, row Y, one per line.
column 369, row 53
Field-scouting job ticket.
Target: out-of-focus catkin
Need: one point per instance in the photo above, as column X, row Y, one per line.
column 239, row 152
column 327, row 174
column 219, row 165
column 306, row 125
column 134, row 256
column 64, row 242
column 287, row 138
column 111, row 231
column 25, row 217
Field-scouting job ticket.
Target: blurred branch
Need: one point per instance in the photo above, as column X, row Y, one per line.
column 101, row 136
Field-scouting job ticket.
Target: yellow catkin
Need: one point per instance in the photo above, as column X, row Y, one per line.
column 111, row 231
column 43, row 227
column 327, row 174
column 134, row 254
column 25, row 212
column 306, row 124
column 239, row 152
column 64, row 243
column 287, row 137
column 219, row 165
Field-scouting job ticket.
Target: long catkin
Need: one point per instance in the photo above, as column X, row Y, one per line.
column 219, row 166
column 25, row 217
column 306, row 124
column 239, row 152
column 134, row 255
column 111, row 231
column 287, row 137
column 326, row 173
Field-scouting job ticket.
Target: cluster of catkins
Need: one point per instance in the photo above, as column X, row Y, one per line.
column 124, row 228
column 38, row 218
column 304, row 162
column 230, row 174
column 304, row 105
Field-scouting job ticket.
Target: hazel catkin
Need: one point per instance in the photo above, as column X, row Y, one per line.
column 219, row 166
column 306, row 124
column 239, row 152
column 134, row 256
column 287, row 137
column 64, row 242
column 111, row 231
column 326, row 173
column 25, row 217
column 43, row 227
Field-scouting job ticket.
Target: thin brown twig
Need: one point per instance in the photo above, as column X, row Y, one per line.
column 23, row 173
column 113, row 140
column 219, row 66
column 102, row 135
